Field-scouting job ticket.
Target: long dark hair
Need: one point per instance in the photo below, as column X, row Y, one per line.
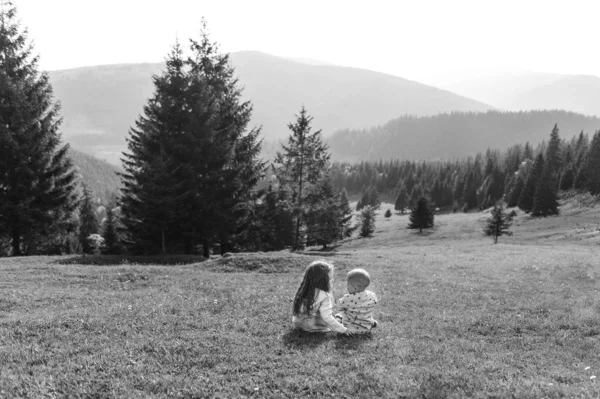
column 315, row 276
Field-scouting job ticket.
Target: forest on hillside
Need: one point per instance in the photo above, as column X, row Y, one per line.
column 453, row 135
column 513, row 175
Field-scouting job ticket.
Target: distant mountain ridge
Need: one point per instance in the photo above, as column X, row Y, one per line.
column 455, row 135
column 535, row 91
column 100, row 103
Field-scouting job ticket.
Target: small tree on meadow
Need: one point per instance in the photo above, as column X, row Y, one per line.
column 498, row 223
column 388, row 213
column 421, row 215
column 367, row 221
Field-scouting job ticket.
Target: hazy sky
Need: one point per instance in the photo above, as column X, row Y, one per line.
column 433, row 42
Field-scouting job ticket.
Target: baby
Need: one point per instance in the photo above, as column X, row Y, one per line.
column 358, row 304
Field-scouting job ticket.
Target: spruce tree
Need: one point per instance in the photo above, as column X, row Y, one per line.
column 421, row 216
column 148, row 201
column 498, row 223
column 192, row 166
column 38, row 195
column 88, row 224
column 528, row 192
column 366, row 220
column 300, row 165
column 553, row 153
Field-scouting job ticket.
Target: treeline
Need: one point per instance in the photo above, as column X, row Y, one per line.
column 453, row 135
column 516, row 175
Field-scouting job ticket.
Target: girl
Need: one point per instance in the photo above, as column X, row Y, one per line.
column 313, row 303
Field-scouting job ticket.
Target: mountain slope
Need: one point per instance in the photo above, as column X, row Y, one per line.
column 455, row 135
column 98, row 175
column 530, row 91
column 100, row 103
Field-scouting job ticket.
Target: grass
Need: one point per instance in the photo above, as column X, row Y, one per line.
column 459, row 317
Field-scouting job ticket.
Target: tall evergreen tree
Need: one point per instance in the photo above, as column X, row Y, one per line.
column 421, row 216
column 192, row 168
column 553, row 153
column 88, row 224
column 38, row 194
column 497, row 224
column 148, row 200
column 528, row 192
column 300, row 165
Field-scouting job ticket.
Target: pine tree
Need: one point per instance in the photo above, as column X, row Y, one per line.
column 421, row 216
column 112, row 243
column 498, row 223
column 367, row 221
column 528, row 192
column 545, row 199
column 300, row 166
column 38, row 195
column 88, row 224
column 346, row 214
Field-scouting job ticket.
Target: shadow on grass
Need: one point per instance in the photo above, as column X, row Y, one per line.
column 298, row 339
column 112, row 260
column 354, row 341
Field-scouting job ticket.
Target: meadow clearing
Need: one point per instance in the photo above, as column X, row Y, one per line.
column 459, row 317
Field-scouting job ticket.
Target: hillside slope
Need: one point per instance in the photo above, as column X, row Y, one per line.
column 98, row 175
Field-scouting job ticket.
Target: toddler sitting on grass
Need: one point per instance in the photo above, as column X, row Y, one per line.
column 358, row 304
column 312, row 309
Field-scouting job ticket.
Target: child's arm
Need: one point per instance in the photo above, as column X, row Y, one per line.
column 342, row 303
column 325, row 309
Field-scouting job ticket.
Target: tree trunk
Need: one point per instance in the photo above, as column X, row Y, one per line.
column 16, row 242
column 163, row 245
column 205, row 248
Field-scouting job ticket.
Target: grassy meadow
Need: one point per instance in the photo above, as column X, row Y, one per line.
column 459, row 317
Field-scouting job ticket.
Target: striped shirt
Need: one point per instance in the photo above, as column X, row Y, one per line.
column 321, row 317
column 357, row 310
